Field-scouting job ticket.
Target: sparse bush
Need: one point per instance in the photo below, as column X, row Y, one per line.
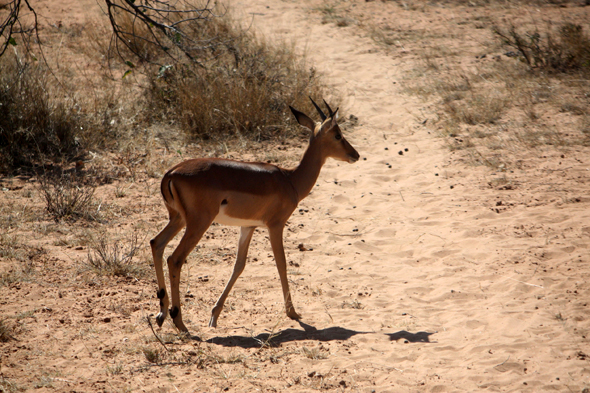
column 353, row 304
column 14, row 275
column 209, row 75
column 152, row 355
column 564, row 49
column 6, row 331
column 317, row 353
column 477, row 108
column 66, row 198
column 24, row 257
column 34, row 124
column 115, row 369
column 7, row 386
column 115, row 257
column 229, row 84
column 57, row 115
column 243, row 89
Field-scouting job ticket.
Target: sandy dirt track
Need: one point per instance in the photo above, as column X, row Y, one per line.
column 419, row 274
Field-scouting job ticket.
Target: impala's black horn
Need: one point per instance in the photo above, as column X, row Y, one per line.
column 329, row 109
column 322, row 115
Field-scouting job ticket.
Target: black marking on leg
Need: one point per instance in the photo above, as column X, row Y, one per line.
column 161, row 303
column 161, row 293
column 224, row 202
column 174, row 312
column 152, row 242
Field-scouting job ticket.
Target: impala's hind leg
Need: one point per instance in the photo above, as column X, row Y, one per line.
column 195, row 228
column 159, row 244
column 243, row 244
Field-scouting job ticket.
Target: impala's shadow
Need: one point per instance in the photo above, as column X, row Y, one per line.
column 309, row 333
column 288, row 335
column 420, row 337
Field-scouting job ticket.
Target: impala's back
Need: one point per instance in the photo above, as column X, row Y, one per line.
column 239, row 193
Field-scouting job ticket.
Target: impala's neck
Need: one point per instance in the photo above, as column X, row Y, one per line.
column 305, row 175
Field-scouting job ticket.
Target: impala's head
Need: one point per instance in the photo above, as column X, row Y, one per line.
column 327, row 134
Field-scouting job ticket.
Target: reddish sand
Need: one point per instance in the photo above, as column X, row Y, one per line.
column 419, row 274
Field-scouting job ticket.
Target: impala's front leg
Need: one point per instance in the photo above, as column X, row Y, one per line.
column 276, row 242
column 243, row 244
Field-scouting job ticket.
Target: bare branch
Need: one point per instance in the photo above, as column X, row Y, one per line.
column 161, row 24
column 12, row 25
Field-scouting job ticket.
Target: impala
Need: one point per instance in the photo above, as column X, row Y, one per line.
column 201, row 191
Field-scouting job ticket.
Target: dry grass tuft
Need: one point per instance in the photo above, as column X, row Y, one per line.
column 562, row 49
column 152, row 355
column 316, row 353
column 477, row 107
column 334, row 13
column 67, row 198
column 8, row 386
column 11, row 247
column 16, row 274
column 7, row 331
column 115, row 369
column 115, row 257
column 23, row 257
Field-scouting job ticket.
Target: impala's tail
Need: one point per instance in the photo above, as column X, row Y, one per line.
column 166, row 189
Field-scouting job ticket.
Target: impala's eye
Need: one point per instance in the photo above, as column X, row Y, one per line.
column 338, row 137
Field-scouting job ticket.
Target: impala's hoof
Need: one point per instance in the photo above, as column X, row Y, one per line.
column 213, row 322
column 160, row 318
column 293, row 315
column 180, row 326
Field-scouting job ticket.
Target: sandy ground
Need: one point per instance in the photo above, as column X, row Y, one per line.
column 419, row 275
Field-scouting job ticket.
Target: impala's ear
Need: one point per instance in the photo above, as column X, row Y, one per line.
column 303, row 119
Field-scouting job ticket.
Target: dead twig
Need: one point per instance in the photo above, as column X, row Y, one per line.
column 153, row 331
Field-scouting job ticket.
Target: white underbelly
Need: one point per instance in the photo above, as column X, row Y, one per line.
column 224, row 219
